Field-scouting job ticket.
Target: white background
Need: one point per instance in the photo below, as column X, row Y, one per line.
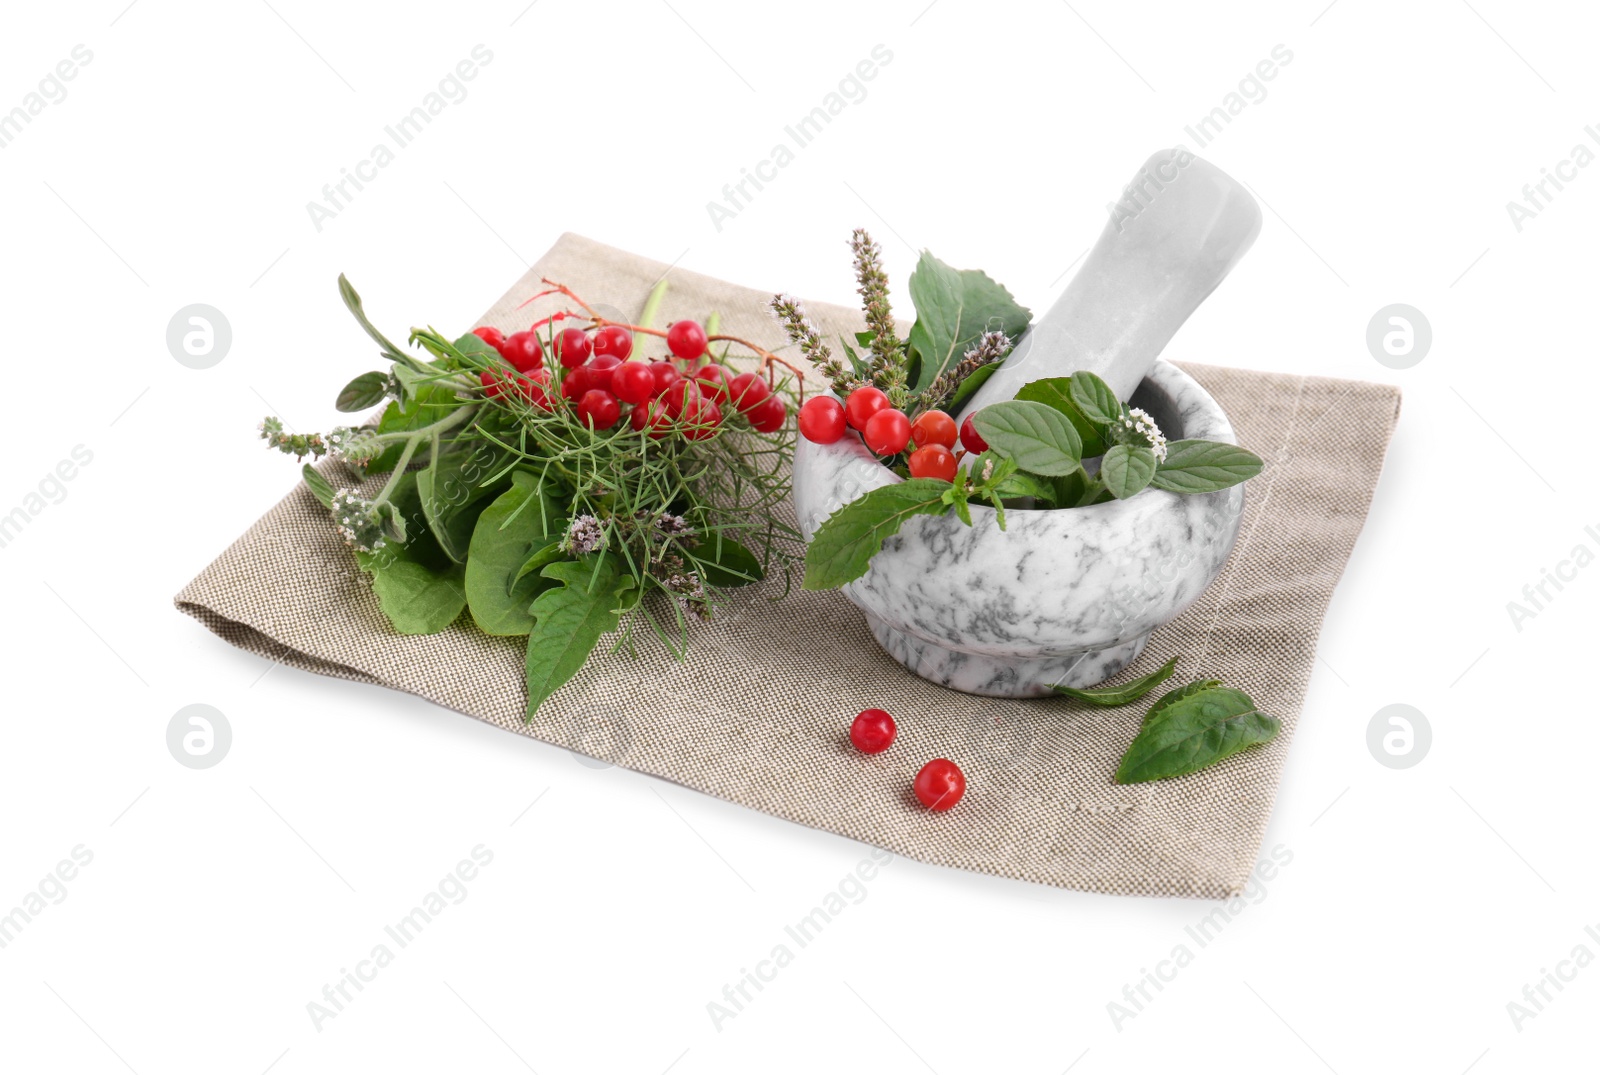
column 1418, row 903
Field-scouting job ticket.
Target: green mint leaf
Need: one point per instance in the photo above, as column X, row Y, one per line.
column 319, row 486
column 475, row 354
column 418, row 600
column 1204, row 466
column 454, row 494
column 842, row 549
column 505, row 537
column 541, row 557
column 1127, row 469
column 1038, row 437
column 857, row 367
column 1095, row 399
column 1022, row 484
column 1057, row 392
column 1194, row 730
column 969, row 386
column 568, row 620
column 1131, row 691
column 363, row 393
column 725, row 562
column 954, row 308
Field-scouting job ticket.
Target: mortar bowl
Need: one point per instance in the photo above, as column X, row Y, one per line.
column 1063, row 597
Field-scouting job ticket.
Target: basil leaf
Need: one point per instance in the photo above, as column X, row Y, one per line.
column 970, row 385
column 363, row 393
column 417, row 599
column 568, row 620
column 508, row 531
column 724, row 562
column 1057, row 392
column 1131, row 691
column 1204, row 466
column 1038, row 437
column 842, row 549
column 319, row 486
column 1127, row 469
column 954, row 308
column 1193, row 731
column 1094, row 398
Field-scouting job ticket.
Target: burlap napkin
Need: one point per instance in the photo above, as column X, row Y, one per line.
column 757, row 713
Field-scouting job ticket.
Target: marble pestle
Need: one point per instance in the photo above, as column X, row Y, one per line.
column 1179, row 228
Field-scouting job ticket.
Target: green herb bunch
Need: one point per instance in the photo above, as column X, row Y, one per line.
column 512, row 506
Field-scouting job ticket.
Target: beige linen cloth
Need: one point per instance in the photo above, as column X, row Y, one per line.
column 758, row 712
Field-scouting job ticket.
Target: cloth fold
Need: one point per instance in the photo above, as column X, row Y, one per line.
column 758, row 712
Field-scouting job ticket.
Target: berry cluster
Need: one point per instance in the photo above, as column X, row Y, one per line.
column 939, row 784
column 887, row 431
column 594, row 373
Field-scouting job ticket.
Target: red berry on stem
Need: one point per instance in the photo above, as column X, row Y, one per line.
column 822, row 420
column 686, row 339
column 970, row 439
column 712, row 381
column 495, row 382
column 872, row 731
column 490, row 335
column 862, row 405
column 599, row 409
column 665, row 374
column 768, row 416
column 939, row 785
column 572, row 347
column 934, row 461
column 747, row 391
column 888, row 432
column 934, row 427
column 535, row 388
column 522, row 350
column 681, row 399
column 613, row 340
column 702, row 422
column 576, row 383
column 632, row 382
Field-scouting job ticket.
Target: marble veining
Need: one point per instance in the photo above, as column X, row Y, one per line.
column 1063, row 597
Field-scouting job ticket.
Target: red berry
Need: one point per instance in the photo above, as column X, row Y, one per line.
column 632, row 382
column 572, row 347
column 535, row 388
column 522, row 350
column 970, row 439
column 495, row 382
column 665, row 373
column 576, row 383
column 638, row 418
column 888, row 432
column 686, row 339
column 822, row 420
column 702, row 423
column 490, row 335
column 747, row 391
column 940, row 784
column 872, row 731
column 613, row 340
column 682, row 399
column 712, row 381
column 934, row 427
column 934, row 461
column 599, row 409
column 862, row 405
column 768, row 416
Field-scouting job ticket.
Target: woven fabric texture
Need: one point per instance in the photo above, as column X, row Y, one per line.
column 757, row 713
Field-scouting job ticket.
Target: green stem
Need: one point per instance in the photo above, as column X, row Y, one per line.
column 652, row 306
column 416, row 437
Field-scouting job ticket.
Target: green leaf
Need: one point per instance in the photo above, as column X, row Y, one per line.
column 568, row 620
column 857, row 367
column 1057, row 392
column 453, row 493
column 1131, row 691
column 542, row 557
column 1094, row 399
column 1194, row 730
column 352, row 301
column 969, row 386
column 725, row 562
column 1021, row 483
column 425, row 406
column 363, row 393
column 1038, row 437
column 319, row 486
column 477, row 354
column 842, row 549
column 954, row 308
column 508, row 532
column 1203, row 466
column 417, row 599
column 1127, row 469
